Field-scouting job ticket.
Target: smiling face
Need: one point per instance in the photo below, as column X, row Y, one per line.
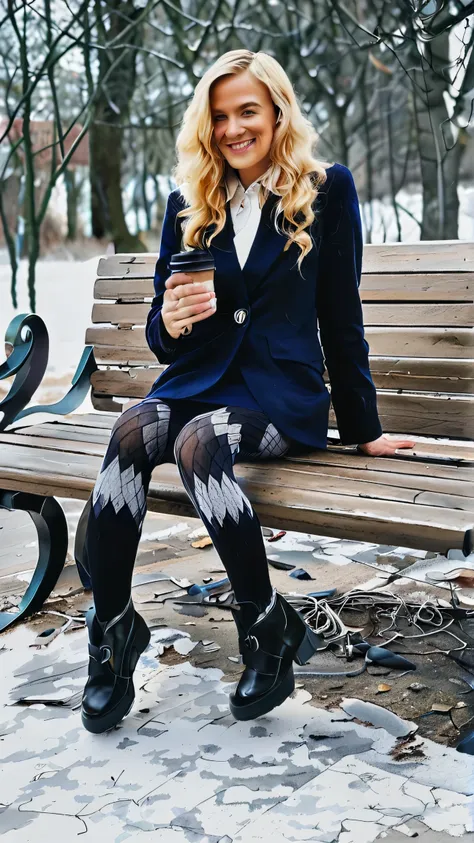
column 244, row 118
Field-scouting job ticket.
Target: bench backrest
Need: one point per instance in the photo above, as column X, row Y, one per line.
column 418, row 305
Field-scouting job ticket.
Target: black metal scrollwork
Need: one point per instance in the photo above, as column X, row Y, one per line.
column 27, row 336
column 50, row 522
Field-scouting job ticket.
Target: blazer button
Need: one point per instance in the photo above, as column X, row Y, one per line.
column 240, row 316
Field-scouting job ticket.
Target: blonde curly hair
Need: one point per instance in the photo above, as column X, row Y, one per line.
column 295, row 175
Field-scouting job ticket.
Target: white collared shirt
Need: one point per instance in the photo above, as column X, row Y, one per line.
column 245, row 211
column 245, row 207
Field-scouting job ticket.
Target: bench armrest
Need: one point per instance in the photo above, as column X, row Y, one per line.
column 27, row 339
column 80, row 386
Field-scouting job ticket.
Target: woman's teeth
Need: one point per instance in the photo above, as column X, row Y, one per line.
column 243, row 145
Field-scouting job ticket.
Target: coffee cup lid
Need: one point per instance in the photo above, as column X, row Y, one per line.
column 191, row 260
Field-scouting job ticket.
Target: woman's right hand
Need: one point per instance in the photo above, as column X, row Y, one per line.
column 184, row 303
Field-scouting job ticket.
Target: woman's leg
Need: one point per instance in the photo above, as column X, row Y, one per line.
column 205, row 448
column 271, row 632
column 140, row 440
column 205, row 451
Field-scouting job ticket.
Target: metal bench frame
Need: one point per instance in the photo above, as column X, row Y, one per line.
column 27, row 348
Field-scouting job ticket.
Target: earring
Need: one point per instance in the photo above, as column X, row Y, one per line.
column 279, row 117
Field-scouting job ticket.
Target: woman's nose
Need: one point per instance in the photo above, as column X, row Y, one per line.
column 234, row 129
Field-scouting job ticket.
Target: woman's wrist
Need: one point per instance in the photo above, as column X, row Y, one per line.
column 168, row 341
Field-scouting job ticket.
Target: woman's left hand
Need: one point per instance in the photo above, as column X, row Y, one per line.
column 383, row 446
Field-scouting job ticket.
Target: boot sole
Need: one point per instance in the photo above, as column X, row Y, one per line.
column 267, row 703
column 104, row 723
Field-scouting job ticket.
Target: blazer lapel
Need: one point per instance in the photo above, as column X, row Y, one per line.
column 266, row 247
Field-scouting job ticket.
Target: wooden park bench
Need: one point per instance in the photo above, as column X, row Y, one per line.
column 419, row 317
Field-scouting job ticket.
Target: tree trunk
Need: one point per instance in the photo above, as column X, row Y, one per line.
column 10, row 244
column 106, row 132
column 437, row 145
column 33, row 255
column 73, row 191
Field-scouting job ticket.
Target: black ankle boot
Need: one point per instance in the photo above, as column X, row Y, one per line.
column 114, row 651
column 272, row 642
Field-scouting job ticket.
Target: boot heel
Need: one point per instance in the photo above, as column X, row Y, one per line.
column 310, row 643
column 142, row 639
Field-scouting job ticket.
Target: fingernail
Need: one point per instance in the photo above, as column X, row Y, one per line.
column 213, row 303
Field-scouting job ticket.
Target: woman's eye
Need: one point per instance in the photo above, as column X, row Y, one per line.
column 247, row 111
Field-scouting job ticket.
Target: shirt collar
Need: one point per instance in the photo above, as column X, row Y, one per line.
column 232, row 182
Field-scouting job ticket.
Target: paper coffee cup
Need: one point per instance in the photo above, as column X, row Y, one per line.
column 199, row 265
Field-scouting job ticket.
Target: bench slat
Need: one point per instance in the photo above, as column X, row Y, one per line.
column 64, row 432
column 109, row 354
column 409, row 483
column 342, row 524
column 128, row 266
column 300, row 509
column 383, row 342
column 364, row 487
column 52, row 443
column 447, row 464
column 444, row 452
column 120, row 314
column 409, row 315
column 428, row 489
column 421, row 342
column 417, row 413
column 422, row 256
column 423, row 315
column 408, row 373
column 123, row 288
column 425, row 415
column 124, row 383
column 437, row 287
column 426, row 375
column 103, row 421
column 431, row 457
column 41, row 464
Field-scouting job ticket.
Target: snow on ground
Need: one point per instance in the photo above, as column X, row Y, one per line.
column 64, row 292
column 181, row 768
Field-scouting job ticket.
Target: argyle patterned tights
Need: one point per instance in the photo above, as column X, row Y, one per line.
column 205, row 448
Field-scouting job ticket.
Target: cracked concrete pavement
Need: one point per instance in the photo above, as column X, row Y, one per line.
column 329, row 767
column 179, row 767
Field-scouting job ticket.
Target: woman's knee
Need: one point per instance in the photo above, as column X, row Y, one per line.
column 207, row 434
column 144, row 424
column 193, row 438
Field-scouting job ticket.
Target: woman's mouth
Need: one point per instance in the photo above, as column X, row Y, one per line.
column 241, row 147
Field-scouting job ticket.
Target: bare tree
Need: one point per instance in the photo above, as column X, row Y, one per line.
column 38, row 49
column 388, row 87
column 119, row 25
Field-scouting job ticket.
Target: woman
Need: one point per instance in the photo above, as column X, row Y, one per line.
column 245, row 378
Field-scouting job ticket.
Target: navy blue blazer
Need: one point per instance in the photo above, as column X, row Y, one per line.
column 268, row 314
